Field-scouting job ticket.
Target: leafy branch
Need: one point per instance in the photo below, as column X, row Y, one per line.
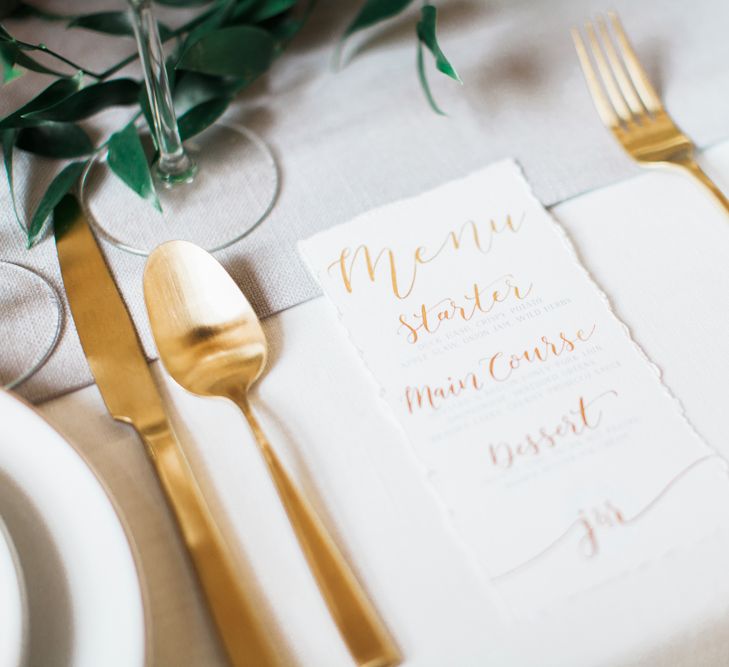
column 220, row 51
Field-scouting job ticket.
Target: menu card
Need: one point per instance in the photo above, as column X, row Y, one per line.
column 546, row 432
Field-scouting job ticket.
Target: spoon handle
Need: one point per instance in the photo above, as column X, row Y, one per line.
column 359, row 624
column 239, row 625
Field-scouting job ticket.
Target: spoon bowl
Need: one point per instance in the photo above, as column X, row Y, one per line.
column 208, row 334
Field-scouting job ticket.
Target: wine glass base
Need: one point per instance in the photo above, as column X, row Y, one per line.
column 171, row 179
column 234, row 189
column 30, row 325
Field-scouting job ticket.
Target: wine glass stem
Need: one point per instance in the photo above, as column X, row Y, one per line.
column 174, row 164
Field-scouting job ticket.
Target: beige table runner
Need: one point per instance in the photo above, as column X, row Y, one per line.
column 356, row 139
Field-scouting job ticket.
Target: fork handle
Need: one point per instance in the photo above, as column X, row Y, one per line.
column 359, row 624
column 238, row 622
column 692, row 167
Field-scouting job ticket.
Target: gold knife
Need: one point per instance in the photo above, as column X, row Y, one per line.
column 116, row 359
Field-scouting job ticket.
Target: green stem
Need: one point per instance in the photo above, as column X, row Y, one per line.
column 122, row 63
column 57, row 56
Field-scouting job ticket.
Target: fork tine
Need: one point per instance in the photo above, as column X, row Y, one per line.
column 624, row 83
column 635, row 69
column 604, row 108
column 611, row 88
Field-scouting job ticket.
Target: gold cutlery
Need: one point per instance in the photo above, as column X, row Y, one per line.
column 629, row 106
column 120, row 369
column 211, row 342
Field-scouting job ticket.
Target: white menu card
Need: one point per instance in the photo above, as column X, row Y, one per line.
column 547, row 434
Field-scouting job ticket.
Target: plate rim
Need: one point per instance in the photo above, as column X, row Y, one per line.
column 123, row 522
column 6, row 540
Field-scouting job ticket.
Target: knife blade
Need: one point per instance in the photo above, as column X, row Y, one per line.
column 120, row 368
column 106, row 331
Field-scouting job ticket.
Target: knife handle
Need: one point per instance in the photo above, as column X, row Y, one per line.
column 241, row 630
column 363, row 632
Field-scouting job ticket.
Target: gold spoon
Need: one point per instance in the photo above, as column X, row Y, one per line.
column 211, row 342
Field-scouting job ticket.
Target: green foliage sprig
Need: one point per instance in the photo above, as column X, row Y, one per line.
column 215, row 55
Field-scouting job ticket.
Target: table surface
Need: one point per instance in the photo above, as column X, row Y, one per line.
column 658, row 246
column 352, row 140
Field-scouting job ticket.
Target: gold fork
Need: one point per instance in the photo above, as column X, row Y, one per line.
column 629, row 106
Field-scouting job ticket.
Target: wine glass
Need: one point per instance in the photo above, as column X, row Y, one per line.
column 213, row 191
column 30, row 323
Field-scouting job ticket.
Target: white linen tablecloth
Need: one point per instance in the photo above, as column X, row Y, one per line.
column 352, row 140
column 658, row 246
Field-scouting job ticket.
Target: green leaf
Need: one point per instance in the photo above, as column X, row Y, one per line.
column 216, row 17
column 8, row 139
column 268, row 9
column 182, row 3
column 24, row 10
column 7, row 59
column 192, row 89
column 426, row 34
column 284, row 27
column 59, row 186
column 49, row 96
column 90, row 100
column 54, row 93
column 24, row 60
column 8, row 8
column 374, row 11
column 284, row 32
column 112, row 23
column 65, row 214
column 243, row 9
column 269, row 14
column 201, row 116
column 11, row 73
column 240, row 51
column 55, row 140
column 424, row 81
column 127, row 160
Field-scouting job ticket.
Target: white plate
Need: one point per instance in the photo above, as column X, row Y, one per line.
column 13, row 610
column 85, row 604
